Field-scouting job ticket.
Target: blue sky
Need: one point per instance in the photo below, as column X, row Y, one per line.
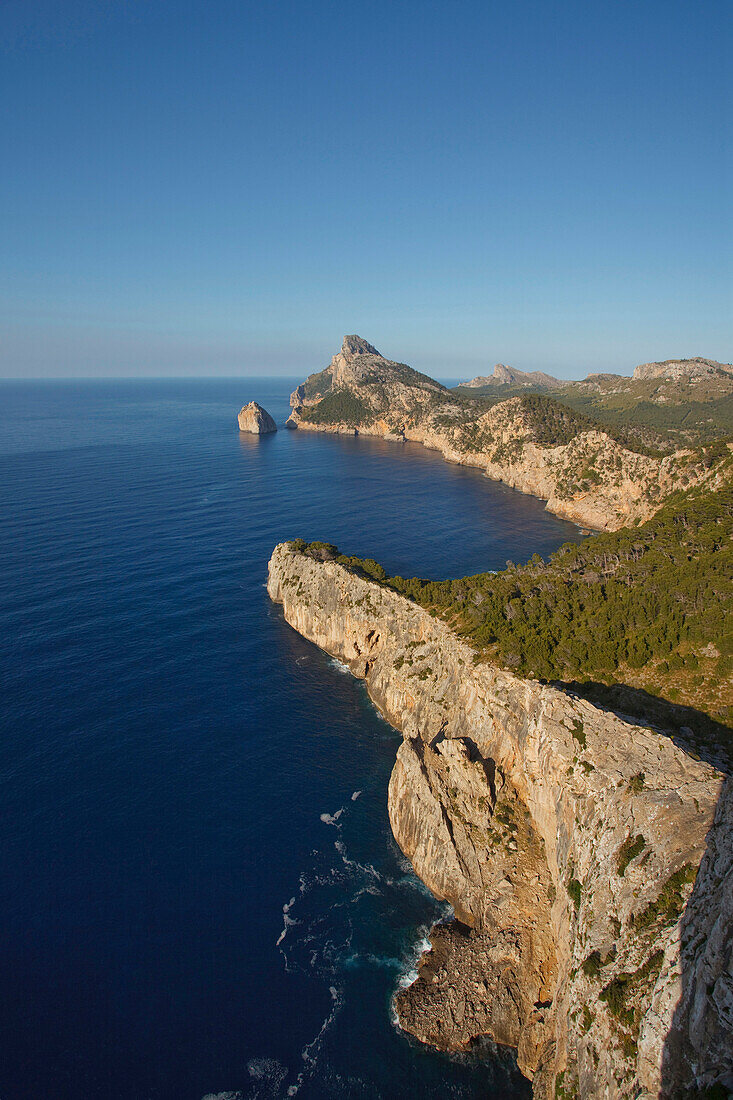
column 225, row 188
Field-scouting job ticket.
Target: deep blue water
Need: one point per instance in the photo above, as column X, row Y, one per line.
column 180, row 914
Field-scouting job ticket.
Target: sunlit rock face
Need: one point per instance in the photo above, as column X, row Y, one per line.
column 581, row 472
column 566, row 838
column 253, row 418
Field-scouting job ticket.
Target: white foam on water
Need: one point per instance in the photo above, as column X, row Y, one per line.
column 335, row 663
column 382, row 962
column 354, row 865
column 412, row 963
column 288, row 921
column 310, row 1051
column 269, row 1074
column 373, row 890
column 409, row 967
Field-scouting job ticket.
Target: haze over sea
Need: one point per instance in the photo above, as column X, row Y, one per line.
column 200, row 888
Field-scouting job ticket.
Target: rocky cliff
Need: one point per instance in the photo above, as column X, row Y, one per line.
column 531, row 443
column 689, row 370
column 253, row 418
column 567, row 840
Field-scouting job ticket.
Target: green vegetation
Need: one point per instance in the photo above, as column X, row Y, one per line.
column 666, row 425
column 578, row 732
column 630, row 849
column 389, row 371
column 339, row 407
column 319, row 551
column 550, row 423
column 622, row 988
column 564, row 1090
column 554, row 423
column 592, row 965
column 636, row 783
column 651, row 607
column 575, row 890
column 631, row 410
column 317, row 384
column 670, row 901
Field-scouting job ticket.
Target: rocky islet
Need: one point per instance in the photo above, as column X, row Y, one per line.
column 254, row 419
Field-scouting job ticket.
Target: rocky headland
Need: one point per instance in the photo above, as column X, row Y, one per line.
column 585, row 472
column 588, row 859
column 256, row 420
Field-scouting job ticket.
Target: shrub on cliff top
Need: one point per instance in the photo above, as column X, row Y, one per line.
column 319, row 551
column 339, row 407
column 612, row 608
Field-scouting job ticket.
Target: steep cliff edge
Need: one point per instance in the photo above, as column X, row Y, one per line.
column 567, row 841
column 532, row 442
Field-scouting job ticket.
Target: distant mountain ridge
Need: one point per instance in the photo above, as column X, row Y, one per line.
column 692, row 370
column 512, row 376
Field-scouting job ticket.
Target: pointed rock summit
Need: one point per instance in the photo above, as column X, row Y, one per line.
column 253, row 418
column 356, row 365
column 355, row 345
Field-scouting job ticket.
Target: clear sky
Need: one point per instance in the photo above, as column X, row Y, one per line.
column 195, row 187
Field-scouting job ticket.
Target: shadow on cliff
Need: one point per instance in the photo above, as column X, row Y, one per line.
column 691, row 730
column 697, row 1056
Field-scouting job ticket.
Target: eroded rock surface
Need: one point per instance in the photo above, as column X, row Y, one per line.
column 567, row 840
column 253, row 418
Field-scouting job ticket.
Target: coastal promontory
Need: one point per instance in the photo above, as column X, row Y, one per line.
column 256, row 420
column 604, row 453
column 564, row 779
column 587, row 856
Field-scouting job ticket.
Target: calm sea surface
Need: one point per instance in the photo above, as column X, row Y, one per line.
column 199, row 889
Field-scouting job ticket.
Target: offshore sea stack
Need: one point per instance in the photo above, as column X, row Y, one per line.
column 253, row 418
column 588, row 859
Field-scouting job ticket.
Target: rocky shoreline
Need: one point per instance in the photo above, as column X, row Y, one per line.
column 582, row 473
column 567, row 840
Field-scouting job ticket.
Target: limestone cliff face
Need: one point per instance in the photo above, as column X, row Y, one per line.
column 588, row 478
column 689, row 370
column 253, row 418
column 565, row 838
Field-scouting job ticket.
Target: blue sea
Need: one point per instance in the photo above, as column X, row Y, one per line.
column 200, row 894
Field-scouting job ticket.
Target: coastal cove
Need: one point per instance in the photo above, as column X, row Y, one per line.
column 197, row 795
